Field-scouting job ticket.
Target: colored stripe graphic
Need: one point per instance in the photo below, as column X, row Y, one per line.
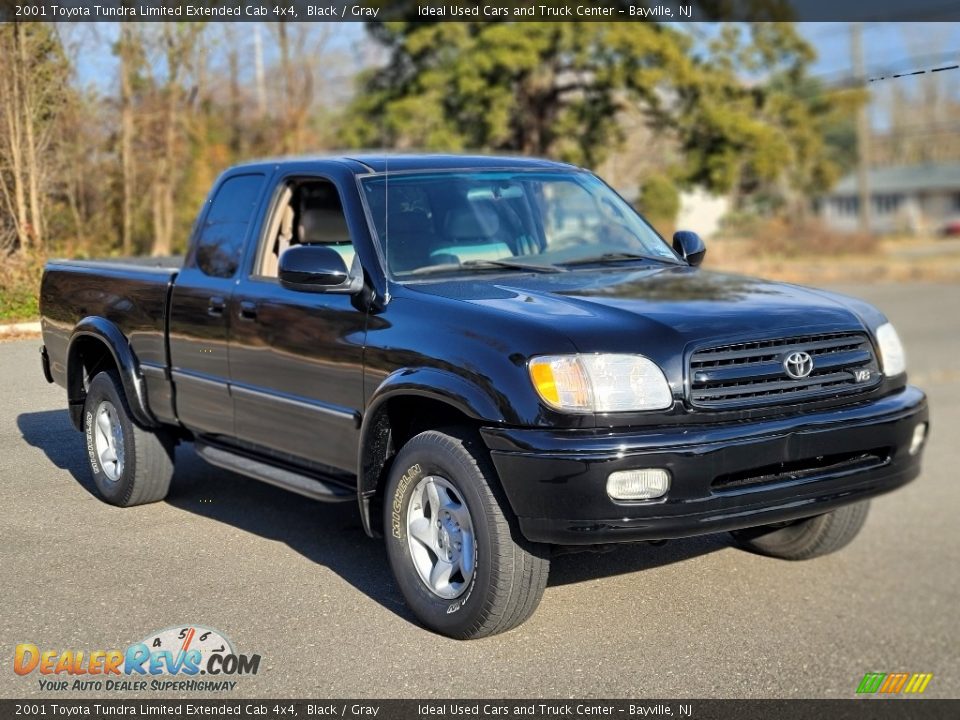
column 893, row 683
column 871, row 682
column 918, row 682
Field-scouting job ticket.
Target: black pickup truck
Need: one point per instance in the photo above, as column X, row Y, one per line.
column 494, row 357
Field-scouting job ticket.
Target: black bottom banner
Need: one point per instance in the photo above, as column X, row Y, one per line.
column 855, row 709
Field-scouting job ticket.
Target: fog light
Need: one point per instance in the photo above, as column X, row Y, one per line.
column 916, row 442
column 643, row 484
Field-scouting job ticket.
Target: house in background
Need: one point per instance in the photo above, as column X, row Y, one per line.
column 702, row 212
column 699, row 210
column 913, row 199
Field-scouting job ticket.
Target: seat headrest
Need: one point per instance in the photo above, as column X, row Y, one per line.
column 323, row 225
column 477, row 220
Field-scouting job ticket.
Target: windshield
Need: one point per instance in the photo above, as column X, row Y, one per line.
column 443, row 223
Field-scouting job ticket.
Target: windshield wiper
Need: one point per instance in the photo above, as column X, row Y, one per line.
column 488, row 265
column 614, row 257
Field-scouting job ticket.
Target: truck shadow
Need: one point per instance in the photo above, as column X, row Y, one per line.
column 52, row 432
column 568, row 569
column 327, row 534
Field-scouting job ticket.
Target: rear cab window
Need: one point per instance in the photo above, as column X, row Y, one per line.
column 220, row 240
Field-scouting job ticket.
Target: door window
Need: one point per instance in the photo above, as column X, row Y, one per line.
column 308, row 213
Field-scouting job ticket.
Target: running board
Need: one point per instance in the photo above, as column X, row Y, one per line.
column 281, row 477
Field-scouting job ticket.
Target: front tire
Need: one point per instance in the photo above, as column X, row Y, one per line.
column 459, row 565
column 130, row 465
column 808, row 538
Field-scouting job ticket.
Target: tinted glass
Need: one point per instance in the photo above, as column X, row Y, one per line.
column 456, row 222
column 220, row 243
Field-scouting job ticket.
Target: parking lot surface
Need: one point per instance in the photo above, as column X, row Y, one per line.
column 300, row 584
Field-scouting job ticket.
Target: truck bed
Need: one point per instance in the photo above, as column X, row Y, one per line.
column 131, row 293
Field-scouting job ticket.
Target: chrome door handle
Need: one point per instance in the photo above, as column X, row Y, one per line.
column 216, row 306
column 248, row 310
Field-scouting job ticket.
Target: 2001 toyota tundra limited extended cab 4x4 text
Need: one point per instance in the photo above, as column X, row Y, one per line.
column 494, row 357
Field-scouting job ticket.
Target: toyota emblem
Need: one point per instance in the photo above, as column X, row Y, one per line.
column 798, row 364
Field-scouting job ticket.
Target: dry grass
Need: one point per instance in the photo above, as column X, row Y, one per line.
column 11, row 335
column 777, row 238
column 811, row 253
column 887, row 264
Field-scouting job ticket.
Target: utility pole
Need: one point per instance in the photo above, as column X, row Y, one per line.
column 863, row 129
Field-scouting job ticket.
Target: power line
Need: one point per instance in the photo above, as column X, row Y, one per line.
column 933, row 131
column 900, row 68
column 915, row 72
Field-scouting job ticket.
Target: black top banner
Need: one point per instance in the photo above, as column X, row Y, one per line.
column 478, row 11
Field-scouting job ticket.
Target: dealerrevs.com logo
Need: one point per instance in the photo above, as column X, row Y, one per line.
column 181, row 658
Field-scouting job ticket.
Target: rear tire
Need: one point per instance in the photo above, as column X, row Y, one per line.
column 130, row 464
column 461, row 568
column 806, row 539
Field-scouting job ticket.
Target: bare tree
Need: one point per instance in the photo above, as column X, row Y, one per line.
column 921, row 109
column 11, row 91
column 32, row 99
column 130, row 53
column 306, row 60
column 235, row 100
column 176, row 40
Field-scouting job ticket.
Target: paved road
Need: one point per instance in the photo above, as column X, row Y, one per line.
column 299, row 583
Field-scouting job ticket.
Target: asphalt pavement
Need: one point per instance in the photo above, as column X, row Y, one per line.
column 300, row 584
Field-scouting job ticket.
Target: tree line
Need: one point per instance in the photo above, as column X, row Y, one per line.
column 119, row 165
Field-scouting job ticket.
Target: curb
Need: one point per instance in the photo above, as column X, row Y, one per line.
column 24, row 328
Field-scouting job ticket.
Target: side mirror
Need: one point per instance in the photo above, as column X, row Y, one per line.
column 318, row 269
column 690, row 247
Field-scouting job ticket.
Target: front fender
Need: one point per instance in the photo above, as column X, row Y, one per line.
column 456, row 391
column 123, row 357
column 437, row 384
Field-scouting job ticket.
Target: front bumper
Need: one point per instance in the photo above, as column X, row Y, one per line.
column 724, row 476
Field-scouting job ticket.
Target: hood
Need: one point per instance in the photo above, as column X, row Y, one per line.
column 653, row 308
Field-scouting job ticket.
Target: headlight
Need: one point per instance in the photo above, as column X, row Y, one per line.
column 600, row 383
column 891, row 350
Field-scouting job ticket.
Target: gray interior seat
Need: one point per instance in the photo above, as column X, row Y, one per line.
column 473, row 232
column 471, row 222
column 322, row 226
column 322, row 222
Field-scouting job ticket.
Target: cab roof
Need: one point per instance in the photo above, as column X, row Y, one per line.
column 381, row 162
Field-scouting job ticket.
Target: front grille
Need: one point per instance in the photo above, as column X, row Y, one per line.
column 803, row 469
column 749, row 374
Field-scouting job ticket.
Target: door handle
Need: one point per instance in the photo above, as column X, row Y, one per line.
column 216, row 306
column 248, row 310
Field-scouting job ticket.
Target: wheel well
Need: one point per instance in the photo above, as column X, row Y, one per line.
column 395, row 422
column 411, row 415
column 88, row 356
